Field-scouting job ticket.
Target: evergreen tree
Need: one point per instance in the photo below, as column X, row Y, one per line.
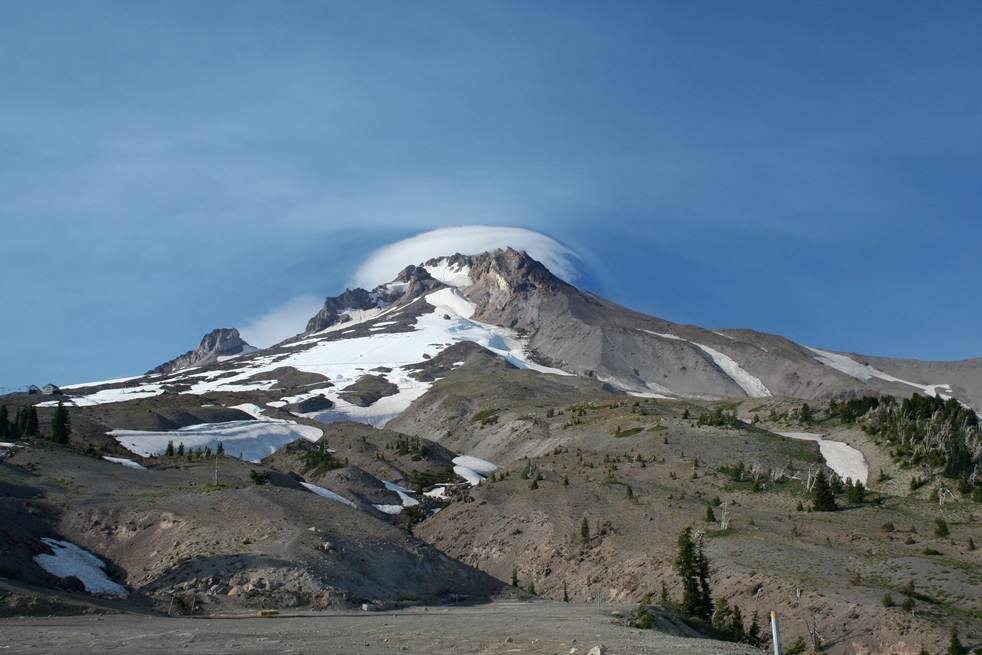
column 823, row 500
column 169, row 451
column 584, row 531
column 180, row 448
column 805, row 415
column 514, row 576
column 565, row 593
column 855, row 492
column 955, row 646
column 753, row 632
column 20, row 423
column 4, row 422
column 221, row 449
column 693, row 567
column 736, row 630
column 32, row 426
column 710, row 516
column 941, row 527
column 61, row 424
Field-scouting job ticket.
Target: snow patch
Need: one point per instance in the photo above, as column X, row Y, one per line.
column 407, row 500
column 476, row 464
column 863, row 372
column 327, row 493
column 846, row 461
column 128, row 463
column 455, row 275
column 750, row 384
column 389, row 509
column 250, row 440
column 71, row 560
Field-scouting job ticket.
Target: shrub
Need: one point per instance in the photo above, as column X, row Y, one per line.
column 259, row 477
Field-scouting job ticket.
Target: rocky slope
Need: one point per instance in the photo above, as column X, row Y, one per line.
column 221, row 342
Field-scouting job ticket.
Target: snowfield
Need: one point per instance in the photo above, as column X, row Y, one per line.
column 343, row 362
column 846, row 461
column 863, row 372
column 248, row 440
column 750, row 384
column 71, row 560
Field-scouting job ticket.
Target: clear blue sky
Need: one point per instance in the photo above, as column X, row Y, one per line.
column 809, row 169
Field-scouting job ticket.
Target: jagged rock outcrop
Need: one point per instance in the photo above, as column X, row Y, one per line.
column 221, row 342
column 354, row 304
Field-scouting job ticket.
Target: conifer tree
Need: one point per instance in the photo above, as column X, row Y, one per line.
column 805, row 415
column 4, row 422
column 565, row 593
column 514, row 576
column 221, row 449
column 20, row 423
column 32, row 425
column 693, row 567
column 61, row 424
column 710, row 516
column 584, row 531
column 955, row 646
column 823, row 500
column 169, row 451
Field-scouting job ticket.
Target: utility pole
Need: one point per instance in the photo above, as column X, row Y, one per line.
column 775, row 633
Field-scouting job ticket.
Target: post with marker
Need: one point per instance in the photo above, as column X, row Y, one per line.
column 775, row 633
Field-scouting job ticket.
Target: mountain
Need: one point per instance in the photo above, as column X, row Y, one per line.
column 435, row 435
column 217, row 344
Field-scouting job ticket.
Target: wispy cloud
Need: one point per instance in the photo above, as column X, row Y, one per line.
column 383, row 264
column 281, row 322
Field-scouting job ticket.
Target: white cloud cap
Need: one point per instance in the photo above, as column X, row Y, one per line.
column 383, row 264
column 281, row 322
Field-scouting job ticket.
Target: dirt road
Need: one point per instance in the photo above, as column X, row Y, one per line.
column 502, row 627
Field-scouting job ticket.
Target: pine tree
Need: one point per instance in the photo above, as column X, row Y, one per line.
column 955, row 646
column 565, row 593
column 221, row 449
column 805, row 415
column 4, row 422
column 736, row 630
column 630, row 493
column 514, row 577
column 710, row 516
column 693, row 567
column 20, row 423
column 584, row 531
column 32, row 426
column 169, row 451
column 823, row 500
column 941, row 527
column 61, row 424
column 753, row 632
column 180, row 448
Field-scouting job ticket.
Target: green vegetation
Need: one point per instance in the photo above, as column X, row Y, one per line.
column 61, row 424
column 630, row 432
column 823, row 498
column 320, row 460
column 933, row 432
column 259, row 477
column 411, row 446
column 693, row 567
column 718, row 418
column 486, row 417
column 433, row 477
column 584, row 531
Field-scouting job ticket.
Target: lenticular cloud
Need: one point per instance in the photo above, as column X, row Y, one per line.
column 383, row 264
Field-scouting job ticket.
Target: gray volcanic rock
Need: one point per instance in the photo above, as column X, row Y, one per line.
column 411, row 282
column 221, row 342
column 367, row 390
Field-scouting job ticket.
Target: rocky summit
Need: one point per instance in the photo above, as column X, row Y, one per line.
column 479, row 431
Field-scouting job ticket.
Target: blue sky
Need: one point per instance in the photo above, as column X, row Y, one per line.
column 809, row 169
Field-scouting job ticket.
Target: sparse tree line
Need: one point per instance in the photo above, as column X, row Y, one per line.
column 940, row 435
column 25, row 424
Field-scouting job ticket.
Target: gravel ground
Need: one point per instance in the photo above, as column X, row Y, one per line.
column 502, row 627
